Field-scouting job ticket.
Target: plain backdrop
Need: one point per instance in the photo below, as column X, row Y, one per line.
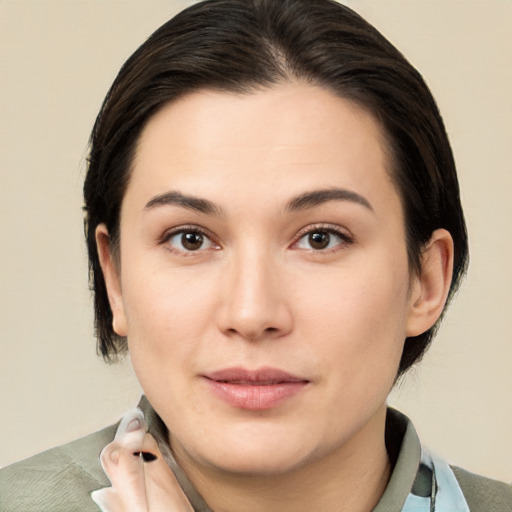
column 57, row 60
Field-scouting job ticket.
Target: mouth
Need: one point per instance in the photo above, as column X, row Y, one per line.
column 255, row 390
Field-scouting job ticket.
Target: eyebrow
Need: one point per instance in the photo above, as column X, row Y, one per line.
column 319, row 197
column 175, row 198
column 301, row 202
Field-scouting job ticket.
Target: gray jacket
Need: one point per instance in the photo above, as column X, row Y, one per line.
column 61, row 479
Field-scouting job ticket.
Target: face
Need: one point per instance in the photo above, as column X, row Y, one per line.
column 263, row 280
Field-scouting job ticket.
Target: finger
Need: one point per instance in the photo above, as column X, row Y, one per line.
column 163, row 492
column 132, row 428
column 129, row 436
column 127, row 493
column 123, row 466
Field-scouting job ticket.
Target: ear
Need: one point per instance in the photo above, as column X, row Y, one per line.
column 112, row 280
column 429, row 289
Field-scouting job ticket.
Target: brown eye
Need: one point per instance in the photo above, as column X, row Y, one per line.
column 192, row 241
column 189, row 240
column 319, row 240
column 323, row 239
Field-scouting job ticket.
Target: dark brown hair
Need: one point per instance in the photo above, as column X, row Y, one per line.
column 245, row 45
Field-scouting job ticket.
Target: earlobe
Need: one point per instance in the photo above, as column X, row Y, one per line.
column 430, row 288
column 112, row 280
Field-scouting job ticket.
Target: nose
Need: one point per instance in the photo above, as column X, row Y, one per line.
column 254, row 304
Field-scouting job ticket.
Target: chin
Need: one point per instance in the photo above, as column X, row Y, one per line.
column 262, row 453
column 263, row 464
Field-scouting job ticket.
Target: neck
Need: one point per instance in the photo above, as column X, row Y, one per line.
column 351, row 478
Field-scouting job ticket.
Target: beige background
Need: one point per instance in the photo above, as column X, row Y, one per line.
column 57, row 60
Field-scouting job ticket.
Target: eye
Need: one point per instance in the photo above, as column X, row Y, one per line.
column 189, row 240
column 320, row 239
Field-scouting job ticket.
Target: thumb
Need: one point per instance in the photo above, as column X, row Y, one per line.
column 163, row 492
column 123, row 466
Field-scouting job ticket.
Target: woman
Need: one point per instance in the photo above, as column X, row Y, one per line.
column 274, row 230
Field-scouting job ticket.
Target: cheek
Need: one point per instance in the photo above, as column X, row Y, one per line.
column 358, row 320
column 168, row 312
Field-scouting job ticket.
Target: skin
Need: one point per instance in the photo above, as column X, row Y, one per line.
column 258, row 295
column 138, row 485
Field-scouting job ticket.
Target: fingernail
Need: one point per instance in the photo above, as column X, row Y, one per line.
column 131, row 429
column 114, row 456
column 133, row 425
column 148, row 456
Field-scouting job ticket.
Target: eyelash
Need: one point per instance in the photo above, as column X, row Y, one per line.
column 183, row 230
column 345, row 239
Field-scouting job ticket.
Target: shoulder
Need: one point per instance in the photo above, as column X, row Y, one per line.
column 57, row 480
column 484, row 494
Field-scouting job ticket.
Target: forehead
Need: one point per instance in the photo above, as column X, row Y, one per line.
column 275, row 141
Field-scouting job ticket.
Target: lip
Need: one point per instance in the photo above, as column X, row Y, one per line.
column 254, row 390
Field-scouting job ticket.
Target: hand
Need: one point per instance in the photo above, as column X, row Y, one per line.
column 141, row 479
